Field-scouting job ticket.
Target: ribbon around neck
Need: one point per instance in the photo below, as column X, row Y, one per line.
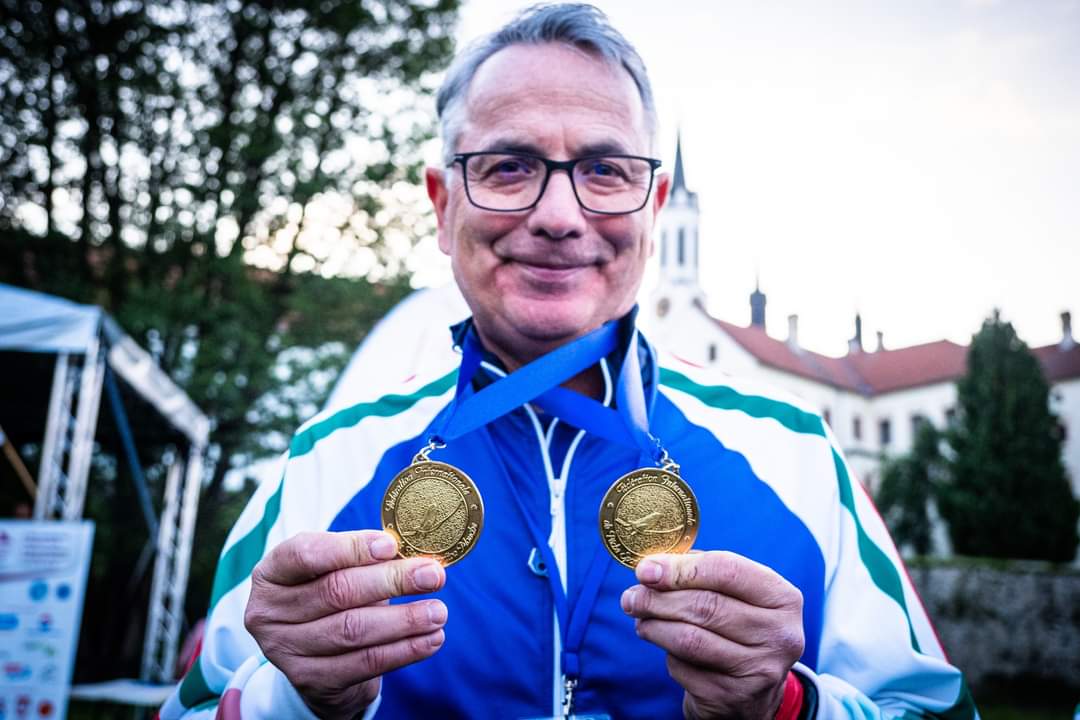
column 538, row 382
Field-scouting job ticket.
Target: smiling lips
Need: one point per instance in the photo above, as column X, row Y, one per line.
column 550, row 272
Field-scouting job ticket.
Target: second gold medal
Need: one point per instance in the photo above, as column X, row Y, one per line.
column 646, row 511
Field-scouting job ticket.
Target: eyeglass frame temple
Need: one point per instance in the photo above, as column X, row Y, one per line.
column 549, row 167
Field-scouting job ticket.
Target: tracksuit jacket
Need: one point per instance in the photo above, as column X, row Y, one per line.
column 771, row 483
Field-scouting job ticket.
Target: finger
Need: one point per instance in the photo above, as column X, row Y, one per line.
column 734, row 619
column 695, row 645
column 728, row 694
column 724, row 572
column 306, row 556
column 336, row 673
column 697, row 680
column 355, row 587
column 357, row 628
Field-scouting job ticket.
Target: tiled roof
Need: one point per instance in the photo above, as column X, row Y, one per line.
column 1059, row 364
column 889, row 370
column 778, row 354
column 883, row 371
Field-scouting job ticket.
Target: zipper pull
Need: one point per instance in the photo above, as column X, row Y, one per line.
column 568, row 696
column 558, row 487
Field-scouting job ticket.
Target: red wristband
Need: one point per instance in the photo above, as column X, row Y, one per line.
column 791, row 705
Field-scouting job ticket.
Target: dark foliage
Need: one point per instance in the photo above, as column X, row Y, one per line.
column 1008, row 495
column 235, row 182
column 908, row 485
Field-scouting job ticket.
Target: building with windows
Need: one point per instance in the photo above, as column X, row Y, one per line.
column 873, row 398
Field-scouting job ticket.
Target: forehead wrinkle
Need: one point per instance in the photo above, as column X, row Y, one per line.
column 582, row 119
column 518, row 84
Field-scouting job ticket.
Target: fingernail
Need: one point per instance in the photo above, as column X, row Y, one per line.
column 436, row 639
column 649, row 571
column 629, row 599
column 382, row 547
column 436, row 613
column 426, row 577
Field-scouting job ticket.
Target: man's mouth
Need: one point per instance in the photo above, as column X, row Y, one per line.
column 547, row 272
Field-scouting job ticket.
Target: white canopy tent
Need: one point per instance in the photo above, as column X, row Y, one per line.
column 86, row 341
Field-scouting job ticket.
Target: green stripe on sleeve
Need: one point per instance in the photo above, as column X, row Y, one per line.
column 883, row 573
column 383, row 407
column 193, row 688
column 725, row 398
column 234, row 566
column 881, row 569
column 237, row 562
column 240, row 559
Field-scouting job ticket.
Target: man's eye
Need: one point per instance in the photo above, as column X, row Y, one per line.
column 504, row 168
column 603, row 169
column 510, row 167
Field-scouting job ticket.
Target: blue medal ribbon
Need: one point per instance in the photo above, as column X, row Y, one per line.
column 538, row 382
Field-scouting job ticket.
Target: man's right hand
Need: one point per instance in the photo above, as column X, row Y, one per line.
column 319, row 610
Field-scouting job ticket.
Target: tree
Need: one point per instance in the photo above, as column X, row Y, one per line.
column 236, row 181
column 908, row 485
column 1008, row 495
column 200, row 169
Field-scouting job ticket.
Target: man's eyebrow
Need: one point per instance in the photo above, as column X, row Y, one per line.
column 513, row 146
column 604, row 147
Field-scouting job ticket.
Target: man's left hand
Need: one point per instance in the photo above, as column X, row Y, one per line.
column 732, row 629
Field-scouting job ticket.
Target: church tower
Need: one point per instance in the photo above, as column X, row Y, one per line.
column 677, row 298
column 679, row 232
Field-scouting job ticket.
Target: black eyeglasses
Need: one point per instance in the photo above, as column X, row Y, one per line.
column 513, row 182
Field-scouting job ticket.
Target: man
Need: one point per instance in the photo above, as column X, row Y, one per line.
column 796, row 605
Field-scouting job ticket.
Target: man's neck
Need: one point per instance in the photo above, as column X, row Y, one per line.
column 589, row 382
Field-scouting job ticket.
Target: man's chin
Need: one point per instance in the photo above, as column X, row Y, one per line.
column 554, row 322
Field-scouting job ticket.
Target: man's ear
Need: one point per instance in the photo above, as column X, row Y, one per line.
column 660, row 197
column 435, row 180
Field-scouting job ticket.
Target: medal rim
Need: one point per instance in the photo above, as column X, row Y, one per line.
column 684, row 544
column 402, row 543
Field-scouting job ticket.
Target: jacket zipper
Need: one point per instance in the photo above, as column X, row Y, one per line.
column 562, row 692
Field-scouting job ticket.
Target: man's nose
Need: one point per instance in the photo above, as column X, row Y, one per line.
column 558, row 213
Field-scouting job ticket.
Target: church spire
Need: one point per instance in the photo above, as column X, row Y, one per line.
column 679, row 180
column 679, row 231
column 757, row 305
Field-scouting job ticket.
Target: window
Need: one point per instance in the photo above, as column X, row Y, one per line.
column 682, row 247
column 950, row 416
column 917, row 421
column 885, row 432
column 856, row 427
column 712, row 352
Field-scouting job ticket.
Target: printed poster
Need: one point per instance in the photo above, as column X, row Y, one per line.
column 43, row 568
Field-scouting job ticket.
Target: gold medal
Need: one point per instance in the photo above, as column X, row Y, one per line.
column 434, row 510
column 646, row 511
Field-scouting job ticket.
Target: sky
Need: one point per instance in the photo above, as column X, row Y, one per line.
column 917, row 161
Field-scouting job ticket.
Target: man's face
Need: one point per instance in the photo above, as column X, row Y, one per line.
column 538, row 278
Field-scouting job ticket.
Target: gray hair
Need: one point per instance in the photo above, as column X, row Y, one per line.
column 582, row 26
